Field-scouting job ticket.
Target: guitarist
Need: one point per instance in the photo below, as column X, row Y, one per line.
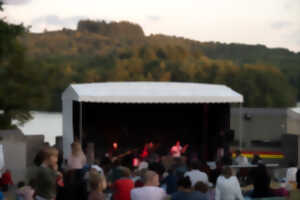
column 177, row 149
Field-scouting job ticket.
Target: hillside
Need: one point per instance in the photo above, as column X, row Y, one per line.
column 100, row 51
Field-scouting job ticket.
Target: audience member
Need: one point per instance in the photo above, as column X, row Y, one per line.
column 201, row 187
column 215, row 173
column 228, row 187
column 38, row 159
column 291, row 175
column 240, row 159
column 46, row 175
column 195, row 174
column 227, row 159
column 123, row 186
column 2, row 196
column 295, row 194
column 97, row 184
column 261, row 182
column 150, row 190
column 76, row 159
column 256, row 160
column 25, row 192
column 180, row 167
column 185, row 191
column 171, row 181
column 6, row 180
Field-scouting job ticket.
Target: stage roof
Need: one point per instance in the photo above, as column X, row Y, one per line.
column 151, row 92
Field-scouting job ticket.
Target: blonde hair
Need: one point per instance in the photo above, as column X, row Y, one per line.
column 148, row 176
column 97, row 180
column 76, row 149
column 48, row 152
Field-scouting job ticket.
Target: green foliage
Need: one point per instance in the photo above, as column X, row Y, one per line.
column 122, row 31
column 100, row 51
column 20, row 88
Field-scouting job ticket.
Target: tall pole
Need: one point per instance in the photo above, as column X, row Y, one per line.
column 80, row 122
column 240, row 127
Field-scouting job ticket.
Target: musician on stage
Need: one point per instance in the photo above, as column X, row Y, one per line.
column 177, row 150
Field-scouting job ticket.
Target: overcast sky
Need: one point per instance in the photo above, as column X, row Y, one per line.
column 274, row 23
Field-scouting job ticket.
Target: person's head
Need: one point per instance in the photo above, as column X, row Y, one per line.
column 261, row 175
column 227, row 172
column 76, row 148
column 261, row 172
column 115, row 146
column 184, row 183
column 201, row 187
column 50, row 157
column 178, row 143
column 262, row 169
column 93, row 170
column 38, row 160
column 194, row 165
column 150, row 145
column 150, row 178
column 21, row 184
column 97, row 181
column 256, row 156
column 125, row 172
column 256, row 159
column 157, row 167
column 238, row 153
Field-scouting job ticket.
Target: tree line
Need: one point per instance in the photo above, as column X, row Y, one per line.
column 97, row 51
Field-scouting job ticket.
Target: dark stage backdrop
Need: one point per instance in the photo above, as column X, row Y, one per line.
column 132, row 125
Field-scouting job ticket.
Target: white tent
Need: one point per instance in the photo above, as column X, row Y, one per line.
column 140, row 92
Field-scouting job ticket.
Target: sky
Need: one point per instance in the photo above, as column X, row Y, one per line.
column 274, row 23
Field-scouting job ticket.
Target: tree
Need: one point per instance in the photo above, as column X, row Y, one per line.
column 20, row 86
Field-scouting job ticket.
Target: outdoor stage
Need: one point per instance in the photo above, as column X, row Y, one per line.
column 133, row 114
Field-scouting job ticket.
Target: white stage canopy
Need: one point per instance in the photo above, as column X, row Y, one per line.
column 143, row 93
column 151, row 92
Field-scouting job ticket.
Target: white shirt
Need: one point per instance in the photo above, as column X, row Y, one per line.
column 291, row 174
column 76, row 162
column 148, row 193
column 228, row 189
column 196, row 175
column 241, row 160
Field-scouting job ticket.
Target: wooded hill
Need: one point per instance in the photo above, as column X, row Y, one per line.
column 100, row 51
